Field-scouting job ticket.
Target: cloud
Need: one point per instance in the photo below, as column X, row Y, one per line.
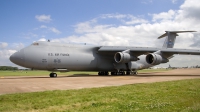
column 190, row 9
column 29, row 35
column 43, row 26
column 126, row 19
column 4, row 57
column 17, row 46
column 42, row 39
column 137, row 31
column 5, row 53
column 43, row 18
column 131, row 30
column 3, row 45
column 135, row 20
column 146, row 1
column 196, row 41
column 174, row 1
column 52, row 29
column 117, row 16
column 89, row 27
column 10, row 49
column 164, row 16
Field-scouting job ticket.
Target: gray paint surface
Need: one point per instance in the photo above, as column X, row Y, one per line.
column 69, row 57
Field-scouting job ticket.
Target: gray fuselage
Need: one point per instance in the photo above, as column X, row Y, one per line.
column 71, row 57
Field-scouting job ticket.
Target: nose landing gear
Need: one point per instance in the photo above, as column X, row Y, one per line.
column 53, row 75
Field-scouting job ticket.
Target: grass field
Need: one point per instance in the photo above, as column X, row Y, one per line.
column 38, row 73
column 162, row 96
column 46, row 73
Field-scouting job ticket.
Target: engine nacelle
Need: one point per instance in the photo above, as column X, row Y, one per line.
column 155, row 59
column 122, row 57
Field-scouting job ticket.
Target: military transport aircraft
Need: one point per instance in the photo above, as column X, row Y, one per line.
column 119, row 60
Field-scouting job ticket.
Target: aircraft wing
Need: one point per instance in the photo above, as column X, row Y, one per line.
column 137, row 51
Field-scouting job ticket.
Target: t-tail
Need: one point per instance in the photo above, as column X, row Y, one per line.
column 171, row 37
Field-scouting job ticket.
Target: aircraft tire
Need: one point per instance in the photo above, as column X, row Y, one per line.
column 99, row 73
column 128, row 73
column 135, row 73
column 50, row 75
column 53, row 75
column 120, row 73
column 103, row 73
column 113, row 73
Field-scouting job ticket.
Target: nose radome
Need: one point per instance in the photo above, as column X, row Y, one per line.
column 18, row 58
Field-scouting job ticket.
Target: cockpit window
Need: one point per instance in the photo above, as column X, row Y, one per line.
column 35, row 43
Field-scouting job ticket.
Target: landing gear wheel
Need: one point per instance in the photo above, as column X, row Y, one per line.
column 113, row 73
column 135, row 73
column 103, row 73
column 53, row 75
column 128, row 73
column 120, row 73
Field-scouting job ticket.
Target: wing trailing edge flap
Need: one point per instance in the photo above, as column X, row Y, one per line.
column 181, row 51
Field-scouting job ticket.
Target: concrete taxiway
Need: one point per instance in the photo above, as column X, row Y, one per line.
column 21, row 84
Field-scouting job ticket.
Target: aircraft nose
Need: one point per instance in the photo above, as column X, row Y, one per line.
column 18, row 58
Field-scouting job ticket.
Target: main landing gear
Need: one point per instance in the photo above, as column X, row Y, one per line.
column 103, row 73
column 117, row 73
column 53, row 75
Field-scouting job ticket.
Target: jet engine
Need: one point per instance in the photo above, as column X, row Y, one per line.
column 123, row 57
column 155, row 59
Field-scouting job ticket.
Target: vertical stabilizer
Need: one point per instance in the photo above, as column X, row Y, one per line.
column 171, row 37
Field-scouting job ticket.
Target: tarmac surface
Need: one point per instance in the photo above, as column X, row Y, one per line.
column 22, row 84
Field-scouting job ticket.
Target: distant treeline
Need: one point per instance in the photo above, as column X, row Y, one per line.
column 8, row 68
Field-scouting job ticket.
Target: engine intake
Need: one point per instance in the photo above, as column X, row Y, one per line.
column 155, row 59
column 122, row 57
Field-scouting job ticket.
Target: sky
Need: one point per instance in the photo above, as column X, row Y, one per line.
column 99, row 22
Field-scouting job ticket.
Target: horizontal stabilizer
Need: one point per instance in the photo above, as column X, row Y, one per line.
column 175, row 32
column 171, row 37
